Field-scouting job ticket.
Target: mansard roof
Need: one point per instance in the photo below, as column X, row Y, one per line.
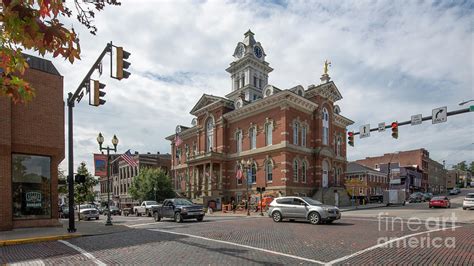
column 207, row 101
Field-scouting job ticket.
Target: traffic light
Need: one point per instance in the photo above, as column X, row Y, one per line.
column 122, row 64
column 97, row 93
column 80, row 178
column 351, row 138
column 395, row 130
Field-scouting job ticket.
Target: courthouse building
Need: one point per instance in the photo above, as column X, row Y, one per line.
column 31, row 148
column 292, row 140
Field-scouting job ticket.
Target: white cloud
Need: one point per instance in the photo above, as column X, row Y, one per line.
column 391, row 60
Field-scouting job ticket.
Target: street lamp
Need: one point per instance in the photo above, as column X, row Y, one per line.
column 246, row 166
column 463, row 103
column 115, row 141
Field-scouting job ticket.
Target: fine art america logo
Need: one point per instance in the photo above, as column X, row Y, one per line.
column 33, row 199
column 419, row 233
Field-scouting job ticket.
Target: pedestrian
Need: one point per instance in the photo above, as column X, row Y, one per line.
column 233, row 206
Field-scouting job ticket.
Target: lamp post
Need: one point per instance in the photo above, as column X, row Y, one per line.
column 115, row 141
column 246, row 166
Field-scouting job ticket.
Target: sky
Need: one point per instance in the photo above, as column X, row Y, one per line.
column 390, row 60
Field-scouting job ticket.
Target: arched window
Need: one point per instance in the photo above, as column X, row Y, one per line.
column 304, row 167
column 253, row 138
column 295, row 171
column 296, row 128
column 303, row 136
column 209, row 134
column 325, row 173
column 254, row 173
column 238, row 139
column 268, row 133
column 269, row 170
column 325, row 126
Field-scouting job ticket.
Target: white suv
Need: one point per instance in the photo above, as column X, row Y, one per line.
column 468, row 202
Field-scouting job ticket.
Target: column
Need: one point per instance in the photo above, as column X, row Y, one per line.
column 204, row 179
column 210, row 179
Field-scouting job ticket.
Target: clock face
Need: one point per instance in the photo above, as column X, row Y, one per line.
column 258, row 51
column 240, row 51
column 268, row 92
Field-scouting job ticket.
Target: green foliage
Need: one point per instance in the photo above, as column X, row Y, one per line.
column 151, row 184
column 84, row 193
column 35, row 25
column 461, row 166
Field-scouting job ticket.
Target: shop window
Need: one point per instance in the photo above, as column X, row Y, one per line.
column 31, row 187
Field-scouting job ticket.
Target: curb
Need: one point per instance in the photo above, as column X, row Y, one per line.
column 357, row 209
column 36, row 239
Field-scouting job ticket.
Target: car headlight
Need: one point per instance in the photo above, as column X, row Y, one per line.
column 184, row 209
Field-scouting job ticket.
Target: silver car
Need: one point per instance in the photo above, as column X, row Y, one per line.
column 302, row 208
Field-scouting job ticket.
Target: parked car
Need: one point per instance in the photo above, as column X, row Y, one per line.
column 416, row 197
column 440, row 201
column 114, row 210
column 454, row 191
column 302, row 208
column 145, row 208
column 87, row 212
column 428, row 196
column 101, row 209
column 468, row 202
column 178, row 209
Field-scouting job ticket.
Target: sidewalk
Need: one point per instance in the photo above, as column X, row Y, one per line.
column 32, row 235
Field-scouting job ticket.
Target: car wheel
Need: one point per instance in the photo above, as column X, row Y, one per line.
column 136, row 213
column 200, row 218
column 449, row 206
column 157, row 217
column 97, row 218
column 277, row 216
column 88, row 219
column 178, row 218
column 464, row 208
column 314, row 218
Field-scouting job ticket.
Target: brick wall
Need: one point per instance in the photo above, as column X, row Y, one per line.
column 35, row 128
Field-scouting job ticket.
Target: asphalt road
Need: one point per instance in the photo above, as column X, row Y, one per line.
column 355, row 239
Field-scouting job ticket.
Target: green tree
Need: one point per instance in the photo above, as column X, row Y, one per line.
column 461, row 166
column 151, row 184
column 471, row 167
column 84, row 193
column 35, row 25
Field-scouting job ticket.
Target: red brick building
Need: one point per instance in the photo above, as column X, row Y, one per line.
column 31, row 148
column 364, row 182
column 293, row 138
column 415, row 158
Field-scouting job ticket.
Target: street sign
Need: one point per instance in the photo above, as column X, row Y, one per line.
column 440, row 115
column 381, row 127
column 416, row 119
column 364, row 131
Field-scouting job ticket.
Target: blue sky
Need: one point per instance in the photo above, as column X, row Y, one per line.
column 390, row 60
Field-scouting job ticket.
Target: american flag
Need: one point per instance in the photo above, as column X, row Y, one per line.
column 127, row 156
column 239, row 174
column 177, row 140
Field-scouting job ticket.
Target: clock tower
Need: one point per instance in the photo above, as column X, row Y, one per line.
column 249, row 70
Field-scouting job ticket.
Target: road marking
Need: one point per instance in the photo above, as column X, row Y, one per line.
column 28, row 263
column 385, row 243
column 83, row 252
column 240, row 245
column 182, row 225
column 136, row 225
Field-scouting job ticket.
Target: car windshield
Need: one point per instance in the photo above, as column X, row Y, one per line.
column 87, row 206
column 113, row 208
column 151, row 203
column 182, row 202
column 470, row 196
column 438, row 198
column 311, row 201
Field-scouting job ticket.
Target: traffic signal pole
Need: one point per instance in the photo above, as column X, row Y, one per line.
column 72, row 98
column 426, row 118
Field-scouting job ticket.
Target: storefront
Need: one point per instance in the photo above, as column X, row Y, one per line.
column 31, row 149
